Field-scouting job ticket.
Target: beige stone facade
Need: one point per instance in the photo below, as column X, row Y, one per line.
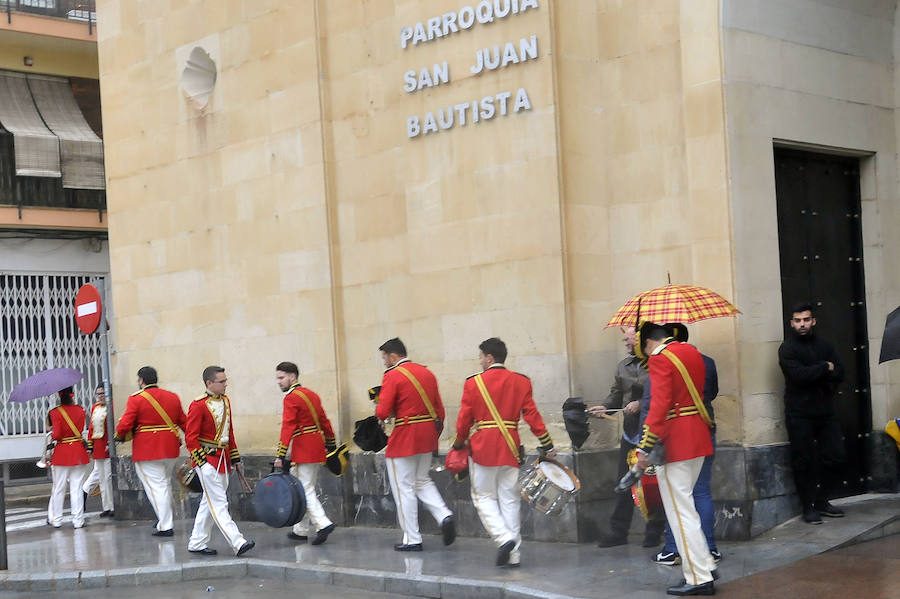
column 294, row 218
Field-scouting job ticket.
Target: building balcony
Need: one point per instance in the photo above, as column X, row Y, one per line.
column 73, row 19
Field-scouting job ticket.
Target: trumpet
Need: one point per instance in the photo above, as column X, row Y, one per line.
column 47, row 453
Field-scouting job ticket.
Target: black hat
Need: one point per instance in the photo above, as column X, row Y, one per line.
column 576, row 420
column 369, row 435
column 336, row 460
column 677, row 331
column 374, row 393
column 642, row 334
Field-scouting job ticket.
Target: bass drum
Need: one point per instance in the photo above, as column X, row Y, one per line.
column 279, row 500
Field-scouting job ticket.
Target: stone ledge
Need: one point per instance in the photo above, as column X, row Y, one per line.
column 436, row 587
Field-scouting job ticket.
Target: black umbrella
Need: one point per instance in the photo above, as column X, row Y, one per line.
column 890, row 341
column 576, row 419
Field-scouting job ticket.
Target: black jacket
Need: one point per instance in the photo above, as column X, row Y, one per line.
column 809, row 385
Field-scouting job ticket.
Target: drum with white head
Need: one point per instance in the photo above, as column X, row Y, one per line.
column 548, row 486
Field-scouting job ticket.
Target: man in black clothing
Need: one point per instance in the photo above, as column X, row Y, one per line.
column 626, row 393
column 812, row 371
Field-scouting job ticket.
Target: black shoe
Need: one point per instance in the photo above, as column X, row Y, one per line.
column 612, row 541
column 247, row 546
column 405, row 547
column 107, row 514
column 666, row 558
column 322, row 535
column 826, row 509
column 164, row 533
column 811, row 516
column 707, row 588
column 204, row 551
column 504, row 551
column 448, row 530
column 295, row 537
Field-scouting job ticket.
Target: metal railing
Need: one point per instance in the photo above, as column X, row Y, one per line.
column 46, row 192
column 74, row 10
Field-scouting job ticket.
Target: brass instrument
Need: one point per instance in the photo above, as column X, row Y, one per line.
column 47, row 453
column 187, row 477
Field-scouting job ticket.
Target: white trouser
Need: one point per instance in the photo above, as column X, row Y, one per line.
column 315, row 513
column 74, row 476
column 410, row 481
column 495, row 495
column 156, row 476
column 676, row 486
column 101, row 475
column 214, row 508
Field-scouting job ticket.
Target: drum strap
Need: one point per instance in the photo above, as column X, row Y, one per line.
column 415, row 382
column 309, row 406
column 496, row 415
column 162, row 413
column 692, row 389
column 71, row 426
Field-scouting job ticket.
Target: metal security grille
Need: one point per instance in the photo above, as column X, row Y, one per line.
column 38, row 331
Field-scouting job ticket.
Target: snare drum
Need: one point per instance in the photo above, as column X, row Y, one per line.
column 646, row 491
column 548, row 486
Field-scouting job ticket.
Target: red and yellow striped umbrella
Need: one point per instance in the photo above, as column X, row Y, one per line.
column 672, row 303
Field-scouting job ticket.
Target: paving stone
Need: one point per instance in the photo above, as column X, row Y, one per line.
column 416, row 586
column 158, row 574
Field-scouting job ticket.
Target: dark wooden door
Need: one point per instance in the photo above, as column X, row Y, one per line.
column 820, row 247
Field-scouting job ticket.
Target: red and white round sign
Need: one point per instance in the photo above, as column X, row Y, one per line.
column 88, row 309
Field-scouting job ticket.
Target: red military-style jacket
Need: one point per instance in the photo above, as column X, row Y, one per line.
column 153, row 439
column 99, row 447
column 69, row 450
column 415, row 431
column 673, row 418
column 205, row 434
column 512, row 395
column 300, row 430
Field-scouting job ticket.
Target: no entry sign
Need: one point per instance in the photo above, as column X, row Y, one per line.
column 88, row 309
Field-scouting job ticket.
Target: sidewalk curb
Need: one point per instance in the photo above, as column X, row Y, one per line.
column 29, row 500
column 409, row 585
column 887, row 528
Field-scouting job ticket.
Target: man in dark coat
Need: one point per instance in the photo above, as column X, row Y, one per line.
column 812, row 371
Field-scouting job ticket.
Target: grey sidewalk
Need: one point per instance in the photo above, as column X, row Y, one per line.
column 124, row 554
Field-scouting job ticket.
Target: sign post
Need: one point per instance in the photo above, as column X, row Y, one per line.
column 90, row 317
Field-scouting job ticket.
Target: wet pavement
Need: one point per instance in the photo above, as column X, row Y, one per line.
column 870, row 570
column 230, row 589
column 116, row 554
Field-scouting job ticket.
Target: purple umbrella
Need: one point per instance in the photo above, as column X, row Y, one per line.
column 45, row 382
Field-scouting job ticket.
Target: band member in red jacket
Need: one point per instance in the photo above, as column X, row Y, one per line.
column 154, row 416
column 409, row 393
column 70, row 459
column 494, row 467
column 679, row 420
column 209, row 437
column 306, row 428
column 97, row 441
